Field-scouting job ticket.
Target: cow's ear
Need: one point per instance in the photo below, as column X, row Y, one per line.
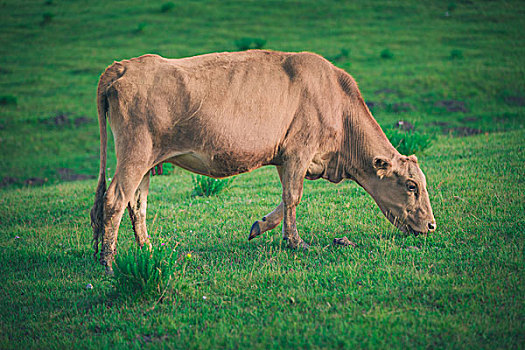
column 383, row 166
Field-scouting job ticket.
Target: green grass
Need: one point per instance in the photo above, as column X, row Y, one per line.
column 54, row 68
column 207, row 186
column 461, row 287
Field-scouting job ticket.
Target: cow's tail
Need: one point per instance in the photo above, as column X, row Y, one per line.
column 111, row 74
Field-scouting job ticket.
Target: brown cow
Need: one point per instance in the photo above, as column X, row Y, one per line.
column 224, row 114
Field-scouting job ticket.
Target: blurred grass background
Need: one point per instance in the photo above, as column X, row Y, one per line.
column 455, row 67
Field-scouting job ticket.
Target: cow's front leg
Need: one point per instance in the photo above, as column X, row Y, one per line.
column 268, row 222
column 292, row 182
column 137, row 212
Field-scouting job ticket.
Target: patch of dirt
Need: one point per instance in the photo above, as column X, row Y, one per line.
column 8, row 180
column 64, row 119
column 442, row 124
column 60, row 119
column 67, row 174
column 515, row 100
column 463, row 131
column 64, row 174
column 459, row 131
column 374, row 105
column 344, row 241
column 35, row 181
column 452, row 105
column 402, row 107
column 81, row 120
column 88, row 71
column 386, row 91
column 470, row 119
column 404, row 125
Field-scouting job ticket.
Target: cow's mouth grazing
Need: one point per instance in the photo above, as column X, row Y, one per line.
column 402, row 224
column 407, row 229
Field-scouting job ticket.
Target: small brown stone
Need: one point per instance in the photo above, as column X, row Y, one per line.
column 345, row 242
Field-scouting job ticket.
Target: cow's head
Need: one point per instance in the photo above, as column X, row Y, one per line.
column 399, row 188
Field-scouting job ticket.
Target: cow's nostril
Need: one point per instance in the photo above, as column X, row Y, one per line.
column 431, row 226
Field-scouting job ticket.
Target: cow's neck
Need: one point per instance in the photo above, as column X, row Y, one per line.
column 363, row 141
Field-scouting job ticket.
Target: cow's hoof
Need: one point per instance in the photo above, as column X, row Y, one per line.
column 254, row 231
column 108, row 266
column 298, row 244
column 303, row 245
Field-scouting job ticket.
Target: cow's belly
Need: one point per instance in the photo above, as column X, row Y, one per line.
column 217, row 165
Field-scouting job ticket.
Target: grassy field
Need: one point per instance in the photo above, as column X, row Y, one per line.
column 452, row 69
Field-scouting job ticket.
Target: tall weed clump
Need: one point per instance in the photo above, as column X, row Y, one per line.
column 167, row 6
column 409, row 142
column 342, row 55
column 456, row 54
column 8, row 100
column 387, row 54
column 47, row 17
column 249, row 43
column 144, row 271
column 207, row 186
column 141, row 28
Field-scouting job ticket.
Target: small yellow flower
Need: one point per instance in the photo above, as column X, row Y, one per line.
column 188, row 256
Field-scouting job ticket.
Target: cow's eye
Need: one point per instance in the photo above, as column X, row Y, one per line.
column 411, row 186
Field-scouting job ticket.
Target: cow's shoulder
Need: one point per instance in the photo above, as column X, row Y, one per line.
column 305, row 64
column 308, row 59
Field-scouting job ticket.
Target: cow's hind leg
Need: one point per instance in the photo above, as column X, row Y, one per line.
column 120, row 192
column 137, row 212
column 268, row 222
